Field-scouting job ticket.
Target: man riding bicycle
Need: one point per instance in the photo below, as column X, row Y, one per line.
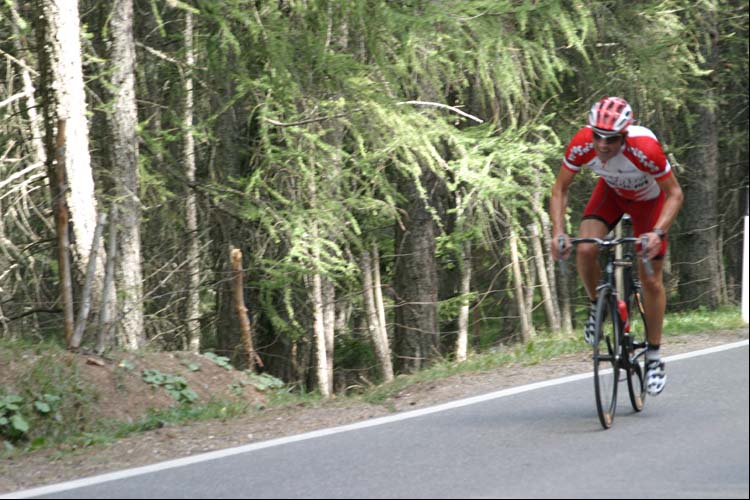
column 635, row 177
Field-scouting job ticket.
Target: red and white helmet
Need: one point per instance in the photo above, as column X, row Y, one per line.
column 610, row 116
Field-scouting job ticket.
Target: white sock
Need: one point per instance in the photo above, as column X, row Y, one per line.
column 653, row 354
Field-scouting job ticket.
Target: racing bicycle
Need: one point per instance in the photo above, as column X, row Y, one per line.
column 621, row 333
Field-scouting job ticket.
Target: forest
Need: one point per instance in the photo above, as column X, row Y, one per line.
column 332, row 191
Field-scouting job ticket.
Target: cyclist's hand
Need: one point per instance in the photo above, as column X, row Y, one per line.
column 654, row 245
column 561, row 240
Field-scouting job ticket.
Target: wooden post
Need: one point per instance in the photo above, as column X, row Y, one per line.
column 239, row 302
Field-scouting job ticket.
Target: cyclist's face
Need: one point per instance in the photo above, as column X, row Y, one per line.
column 607, row 147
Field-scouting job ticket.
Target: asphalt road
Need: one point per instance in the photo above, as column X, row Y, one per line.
column 542, row 442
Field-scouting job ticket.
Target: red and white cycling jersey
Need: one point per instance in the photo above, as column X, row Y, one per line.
column 633, row 172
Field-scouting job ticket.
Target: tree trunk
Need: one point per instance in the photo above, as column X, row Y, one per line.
column 60, row 209
column 329, row 326
column 106, row 319
column 462, row 344
column 124, row 120
column 415, row 279
column 85, row 305
column 380, row 306
column 62, row 88
column 374, row 326
column 330, row 180
column 63, row 98
column 320, row 336
column 553, row 321
column 323, row 365
column 239, row 303
column 562, row 286
column 528, row 273
column 191, row 208
column 698, row 243
column 546, row 235
column 225, row 231
column 518, row 288
column 566, row 312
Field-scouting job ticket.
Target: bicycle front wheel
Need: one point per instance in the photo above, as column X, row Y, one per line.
column 639, row 337
column 606, row 363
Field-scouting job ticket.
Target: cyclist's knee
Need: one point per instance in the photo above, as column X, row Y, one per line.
column 652, row 284
column 588, row 253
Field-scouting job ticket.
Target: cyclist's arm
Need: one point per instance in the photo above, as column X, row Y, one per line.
column 672, row 202
column 557, row 205
column 673, row 198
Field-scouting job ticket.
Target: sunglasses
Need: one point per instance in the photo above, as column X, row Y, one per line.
column 611, row 139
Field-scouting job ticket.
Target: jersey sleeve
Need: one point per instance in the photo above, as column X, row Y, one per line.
column 580, row 150
column 645, row 151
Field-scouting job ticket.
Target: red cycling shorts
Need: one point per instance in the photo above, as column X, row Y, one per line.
column 607, row 206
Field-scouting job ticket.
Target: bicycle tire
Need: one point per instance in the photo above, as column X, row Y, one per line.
column 606, row 364
column 637, row 369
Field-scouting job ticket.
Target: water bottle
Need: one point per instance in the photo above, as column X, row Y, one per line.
column 622, row 308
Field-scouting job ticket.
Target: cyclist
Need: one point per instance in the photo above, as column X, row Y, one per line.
column 635, row 177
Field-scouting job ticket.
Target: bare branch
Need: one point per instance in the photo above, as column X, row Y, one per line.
column 20, row 63
column 443, row 106
column 21, row 173
column 160, row 54
column 305, row 122
column 12, row 98
column 339, row 115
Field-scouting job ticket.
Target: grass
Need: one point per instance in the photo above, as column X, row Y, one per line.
column 547, row 346
column 536, row 351
column 184, row 413
column 109, row 432
column 703, row 320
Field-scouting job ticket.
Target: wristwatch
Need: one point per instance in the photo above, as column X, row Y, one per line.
column 659, row 232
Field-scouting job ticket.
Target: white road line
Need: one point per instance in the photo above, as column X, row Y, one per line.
column 170, row 464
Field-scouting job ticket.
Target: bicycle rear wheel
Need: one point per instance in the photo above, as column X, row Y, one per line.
column 606, row 366
column 637, row 365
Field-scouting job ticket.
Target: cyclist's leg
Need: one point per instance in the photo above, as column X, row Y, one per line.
column 655, row 303
column 601, row 215
column 587, row 255
column 644, row 216
column 587, row 260
column 655, row 300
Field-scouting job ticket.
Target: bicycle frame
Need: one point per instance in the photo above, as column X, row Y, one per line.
column 609, row 278
column 608, row 282
column 619, row 349
column 631, row 287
